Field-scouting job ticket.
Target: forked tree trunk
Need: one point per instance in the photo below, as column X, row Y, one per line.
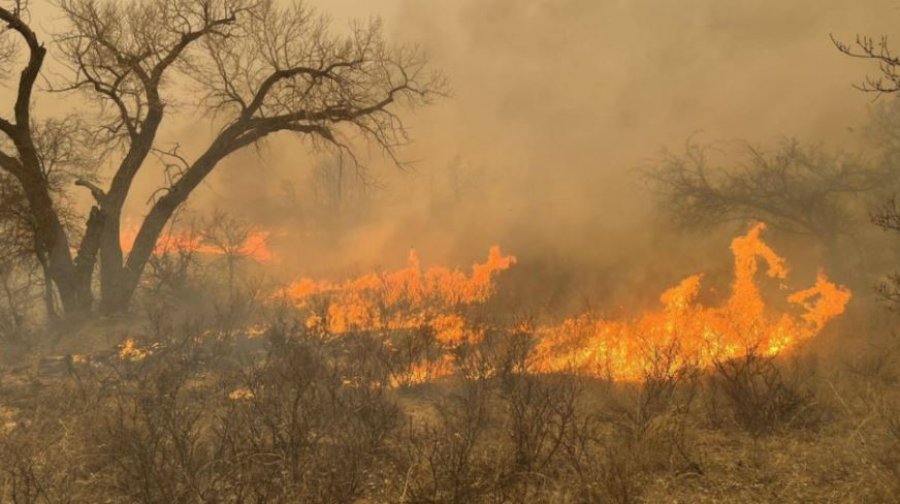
column 119, row 279
column 72, row 280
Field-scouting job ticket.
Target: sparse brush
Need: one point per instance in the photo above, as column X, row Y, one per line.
column 448, row 454
column 761, row 395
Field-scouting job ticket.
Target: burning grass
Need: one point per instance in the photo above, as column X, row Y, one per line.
column 385, row 388
column 699, row 335
column 308, row 419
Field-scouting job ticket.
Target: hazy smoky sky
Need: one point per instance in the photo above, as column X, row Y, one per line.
column 554, row 105
column 556, row 102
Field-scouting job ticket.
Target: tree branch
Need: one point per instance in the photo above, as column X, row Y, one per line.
column 98, row 194
column 10, row 164
column 211, row 27
column 32, row 69
column 879, row 52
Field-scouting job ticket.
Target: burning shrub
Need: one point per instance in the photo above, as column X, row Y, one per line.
column 589, row 410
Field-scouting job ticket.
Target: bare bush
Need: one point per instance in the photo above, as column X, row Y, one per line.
column 447, row 456
column 36, row 465
column 299, row 430
column 762, row 396
column 149, row 430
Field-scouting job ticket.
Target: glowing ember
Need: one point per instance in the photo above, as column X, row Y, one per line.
column 241, row 394
column 684, row 332
column 129, row 351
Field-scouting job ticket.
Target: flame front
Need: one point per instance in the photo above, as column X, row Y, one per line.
column 409, row 298
column 682, row 332
column 685, row 332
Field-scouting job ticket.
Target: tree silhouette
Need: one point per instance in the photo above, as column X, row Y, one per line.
column 261, row 68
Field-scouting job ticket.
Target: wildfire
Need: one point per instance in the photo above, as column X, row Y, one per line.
column 685, row 332
column 682, row 332
column 255, row 245
column 409, row 298
column 129, row 351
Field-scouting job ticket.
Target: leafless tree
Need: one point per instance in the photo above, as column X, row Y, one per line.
column 261, row 68
column 229, row 236
column 61, row 153
column 797, row 189
column 338, row 188
column 884, row 129
column 887, row 80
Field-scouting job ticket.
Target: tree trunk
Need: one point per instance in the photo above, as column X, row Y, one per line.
column 118, row 284
column 114, row 297
column 75, row 295
column 49, row 291
column 52, row 246
column 119, row 280
column 116, row 293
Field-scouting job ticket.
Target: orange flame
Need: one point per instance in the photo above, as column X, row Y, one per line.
column 683, row 332
column 405, row 299
column 255, row 246
column 687, row 333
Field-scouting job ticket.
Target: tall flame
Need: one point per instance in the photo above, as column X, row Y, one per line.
column 685, row 332
column 682, row 332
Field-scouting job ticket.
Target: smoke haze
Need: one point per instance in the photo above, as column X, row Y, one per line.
column 554, row 105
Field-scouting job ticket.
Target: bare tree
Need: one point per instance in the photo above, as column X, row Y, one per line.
column 53, row 153
column 336, row 188
column 230, row 237
column 884, row 130
column 262, row 69
column 800, row 190
column 887, row 80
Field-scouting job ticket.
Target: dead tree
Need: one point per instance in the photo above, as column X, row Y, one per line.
column 797, row 189
column 262, row 68
column 887, row 80
column 885, row 132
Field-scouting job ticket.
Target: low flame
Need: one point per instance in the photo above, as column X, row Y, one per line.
column 254, row 246
column 129, row 351
column 682, row 332
column 409, row 298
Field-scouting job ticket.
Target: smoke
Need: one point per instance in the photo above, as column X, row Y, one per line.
column 555, row 104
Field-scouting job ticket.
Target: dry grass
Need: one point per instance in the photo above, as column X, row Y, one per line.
column 209, row 416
